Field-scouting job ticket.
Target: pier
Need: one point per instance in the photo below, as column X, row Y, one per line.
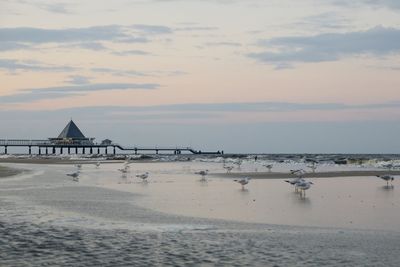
column 72, row 141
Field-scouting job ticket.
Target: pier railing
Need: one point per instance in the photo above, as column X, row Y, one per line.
column 90, row 145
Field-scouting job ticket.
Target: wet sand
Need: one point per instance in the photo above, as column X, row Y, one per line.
column 6, row 171
column 175, row 219
column 283, row 175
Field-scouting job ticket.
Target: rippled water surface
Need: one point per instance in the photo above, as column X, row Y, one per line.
column 109, row 220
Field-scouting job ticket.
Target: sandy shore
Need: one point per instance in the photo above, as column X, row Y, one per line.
column 282, row 175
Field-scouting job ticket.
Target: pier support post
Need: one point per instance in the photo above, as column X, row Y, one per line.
column 83, row 150
column 47, row 151
column 54, row 150
column 157, row 151
column 40, row 151
column 76, row 150
column 98, row 151
column 5, row 150
column 61, row 150
column 135, row 151
column 106, row 150
column 114, row 151
column 30, row 150
column 69, row 150
column 91, row 150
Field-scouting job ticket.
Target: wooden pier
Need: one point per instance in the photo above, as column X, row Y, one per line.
column 46, row 147
column 71, row 140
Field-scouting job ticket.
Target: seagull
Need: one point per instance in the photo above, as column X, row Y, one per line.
column 303, row 185
column 387, row 178
column 238, row 163
column 97, row 164
column 295, row 182
column 228, row 168
column 313, row 166
column 75, row 176
column 143, row 176
column 243, row 181
column 124, row 170
column 78, row 166
column 268, row 166
column 203, row 174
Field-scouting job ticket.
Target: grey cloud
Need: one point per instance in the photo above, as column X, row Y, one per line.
column 120, row 73
column 131, row 52
column 34, row 94
column 330, row 46
column 38, row 35
column 87, row 38
column 78, row 79
column 13, row 65
column 395, row 4
column 6, row 46
column 196, row 28
column 53, row 7
column 233, row 44
column 152, row 29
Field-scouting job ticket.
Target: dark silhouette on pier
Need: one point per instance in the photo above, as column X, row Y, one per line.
column 71, row 140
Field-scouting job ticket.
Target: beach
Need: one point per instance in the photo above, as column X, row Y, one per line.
column 177, row 219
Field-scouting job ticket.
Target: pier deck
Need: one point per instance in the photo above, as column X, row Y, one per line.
column 50, row 147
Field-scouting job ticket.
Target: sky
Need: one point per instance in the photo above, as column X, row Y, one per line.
column 254, row 76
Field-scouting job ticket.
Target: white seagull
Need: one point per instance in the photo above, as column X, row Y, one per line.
column 294, row 182
column 268, row 166
column 303, row 185
column 143, row 176
column 124, row 170
column 387, row 178
column 203, row 174
column 75, row 176
column 228, row 168
column 243, row 181
column 313, row 166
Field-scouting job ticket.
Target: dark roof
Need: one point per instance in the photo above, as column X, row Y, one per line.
column 71, row 131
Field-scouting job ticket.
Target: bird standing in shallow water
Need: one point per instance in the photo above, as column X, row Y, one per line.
column 143, row 176
column 243, row 181
column 203, row 174
column 75, row 176
column 387, row 178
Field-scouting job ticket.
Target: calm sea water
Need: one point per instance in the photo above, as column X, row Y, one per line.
column 109, row 220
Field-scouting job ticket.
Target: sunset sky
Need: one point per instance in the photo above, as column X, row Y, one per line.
column 240, row 76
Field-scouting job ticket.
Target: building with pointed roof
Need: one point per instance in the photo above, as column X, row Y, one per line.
column 71, row 134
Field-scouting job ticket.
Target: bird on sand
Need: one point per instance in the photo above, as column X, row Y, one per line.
column 387, row 178
column 124, row 170
column 243, row 181
column 203, row 174
column 228, row 168
column 303, row 185
column 74, row 175
column 143, row 176
column 295, row 181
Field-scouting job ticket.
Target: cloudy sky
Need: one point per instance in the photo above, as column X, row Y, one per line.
column 241, row 76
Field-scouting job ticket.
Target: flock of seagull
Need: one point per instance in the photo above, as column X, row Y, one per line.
column 126, row 169
column 299, row 182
